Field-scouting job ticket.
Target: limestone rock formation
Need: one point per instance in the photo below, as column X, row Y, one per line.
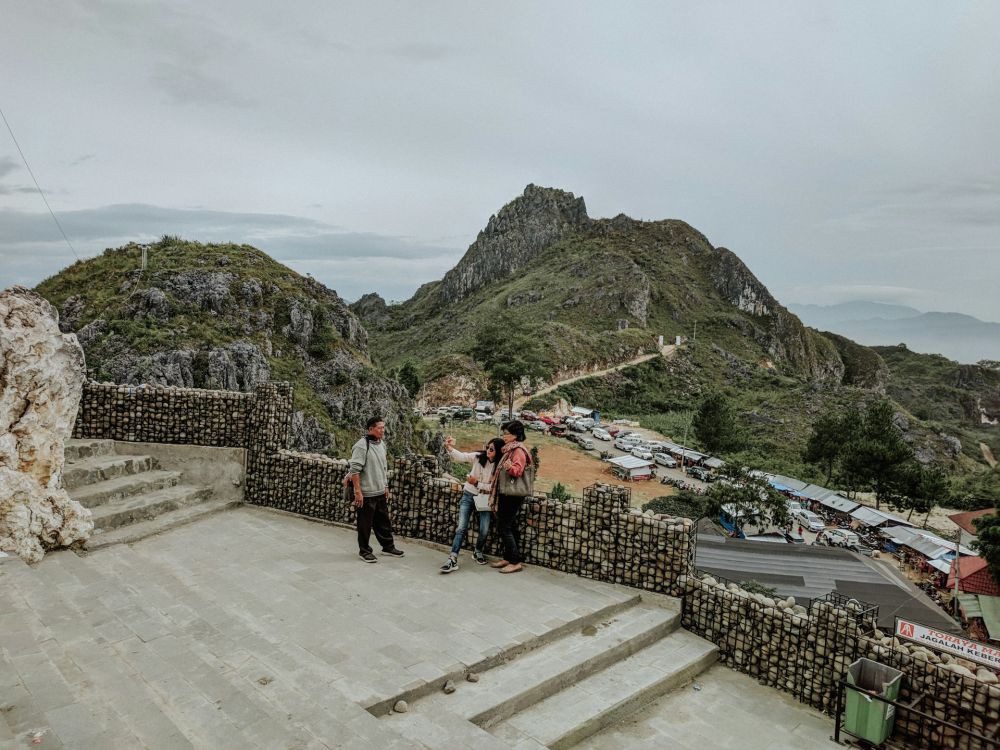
column 513, row 237
column 41, row 377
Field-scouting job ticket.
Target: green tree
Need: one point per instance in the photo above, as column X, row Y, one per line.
column 831, row 434
column 747, row 498
column 715, row 424
column 409, row 378
column 922, row 489
column 510, row 354
column 988, row 542
column 878, row 457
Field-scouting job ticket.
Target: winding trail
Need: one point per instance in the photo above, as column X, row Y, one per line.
column 666, row 351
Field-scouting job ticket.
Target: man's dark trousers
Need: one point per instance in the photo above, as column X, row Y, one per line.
column 374, row 516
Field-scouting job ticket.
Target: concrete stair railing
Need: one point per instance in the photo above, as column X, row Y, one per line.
column 130, row 497
column 564, row 690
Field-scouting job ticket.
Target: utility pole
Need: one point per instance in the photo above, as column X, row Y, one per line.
column 958, row 568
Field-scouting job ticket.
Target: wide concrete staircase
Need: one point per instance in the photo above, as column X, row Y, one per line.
column 567, row 686
column 130, row 496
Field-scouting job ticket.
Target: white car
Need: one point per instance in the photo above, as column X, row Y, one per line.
column 843, row 538
column 538, row 425
column 586, row 444
column 642, row 453
column 600, row 434
column 809, row 520
column 625, row 444
column 482, row 416
column 664, row 460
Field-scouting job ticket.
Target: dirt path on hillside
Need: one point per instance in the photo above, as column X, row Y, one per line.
column 666, row 351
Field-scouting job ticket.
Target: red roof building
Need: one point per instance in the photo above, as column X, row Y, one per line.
column 973, row 577
column 964, row 520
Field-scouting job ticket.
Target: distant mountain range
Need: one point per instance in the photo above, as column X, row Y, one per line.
column 954, row 335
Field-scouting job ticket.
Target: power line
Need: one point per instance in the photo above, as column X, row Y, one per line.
column 37, row 186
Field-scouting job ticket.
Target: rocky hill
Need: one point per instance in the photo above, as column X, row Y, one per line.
column 600, row 291
column 229, row 317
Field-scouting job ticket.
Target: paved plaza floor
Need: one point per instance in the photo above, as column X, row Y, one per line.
column 256, row 629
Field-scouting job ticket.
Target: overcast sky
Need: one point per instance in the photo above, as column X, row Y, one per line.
column 844, row 150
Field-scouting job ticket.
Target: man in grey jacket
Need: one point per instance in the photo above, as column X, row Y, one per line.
column 369, row 474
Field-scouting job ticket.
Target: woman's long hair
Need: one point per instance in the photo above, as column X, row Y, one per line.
column 497, row 444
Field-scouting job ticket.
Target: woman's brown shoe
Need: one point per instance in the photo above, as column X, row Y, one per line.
column 512, row 568
column 499, row 564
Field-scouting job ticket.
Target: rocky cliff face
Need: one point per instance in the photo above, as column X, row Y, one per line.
column 513, row 238
column 781, row 333
column 229, row 317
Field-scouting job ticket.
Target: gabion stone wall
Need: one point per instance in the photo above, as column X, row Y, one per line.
column 806, row 652
column 155, row 414
column 599, row 538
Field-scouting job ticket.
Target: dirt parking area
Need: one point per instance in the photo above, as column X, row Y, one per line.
column 563, row 462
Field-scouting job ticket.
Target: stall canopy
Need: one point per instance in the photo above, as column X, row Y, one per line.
column 788, row 483
column 630, row 462
column 927, row 544
column 839, row 503
column 871, row 517
column 940, row 565
column 713, row 463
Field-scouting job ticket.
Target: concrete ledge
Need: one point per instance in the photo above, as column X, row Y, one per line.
column 223, row 470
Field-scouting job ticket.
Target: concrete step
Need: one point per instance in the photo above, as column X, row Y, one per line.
column 169, row 520
column 147, row 505
column 101, row 468
column 78, row 449
column 444, row 729
column 120, row 488
column 525, row 681
column 606, row 697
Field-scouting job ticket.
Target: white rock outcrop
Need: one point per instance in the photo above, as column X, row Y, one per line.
column 41, row 378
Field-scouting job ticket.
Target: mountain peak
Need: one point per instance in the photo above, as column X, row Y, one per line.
column 514, row 236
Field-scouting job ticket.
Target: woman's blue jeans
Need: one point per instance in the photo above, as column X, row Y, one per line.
column 465, row 510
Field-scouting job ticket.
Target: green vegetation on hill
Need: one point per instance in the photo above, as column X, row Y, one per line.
column 228, row 316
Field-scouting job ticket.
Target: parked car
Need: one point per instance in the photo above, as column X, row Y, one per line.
column 462, row 414
column 793, row 505
column 528, row 416
column 699, row 472
column 538, row 425
column 794, row 539
column 642, row 453
column 549, row 420
column 586, row 443
column 612, row 430
column 842, row 538
column 624, row 444
column 600, row 434
column 586, row 423
column 572, row 437
column 482, row 416
column 665, row 460
column 809, row 520
column 557, row 430
column 577, row 427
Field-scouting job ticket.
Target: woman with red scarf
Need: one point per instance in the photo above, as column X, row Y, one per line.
column 515, row 461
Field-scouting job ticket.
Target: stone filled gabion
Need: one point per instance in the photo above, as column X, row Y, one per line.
column 806, row 653
column 157, row 414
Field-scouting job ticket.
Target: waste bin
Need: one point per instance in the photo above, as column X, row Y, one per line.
column 864, row 716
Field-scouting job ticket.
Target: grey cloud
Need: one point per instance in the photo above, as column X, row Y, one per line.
column 420, row 51
column 8, row 165
column 81, row 159
column 188, row 84
column 16, row 189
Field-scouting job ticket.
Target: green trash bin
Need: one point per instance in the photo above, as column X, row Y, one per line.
column 864, row 716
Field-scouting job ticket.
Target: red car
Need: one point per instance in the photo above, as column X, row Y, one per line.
column 528, row 416
column 549, row 420
column 612, row 430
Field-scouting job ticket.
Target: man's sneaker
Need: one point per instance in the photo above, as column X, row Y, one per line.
column 367, row 557
column 479, row 557
column 393, row 552
column 450, row 565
